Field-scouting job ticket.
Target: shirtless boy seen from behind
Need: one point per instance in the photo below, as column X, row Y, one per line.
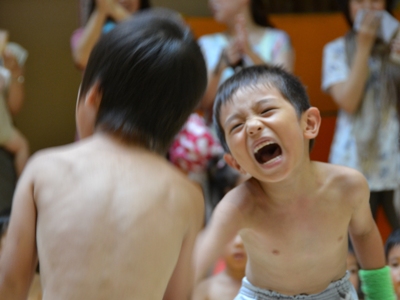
column 294, row 214
column 109, row 217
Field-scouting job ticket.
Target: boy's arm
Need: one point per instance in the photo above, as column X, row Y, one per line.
column 201, row 291
column 225, row 224
column 363, row 231
column 367, row 242
column 181, row 282
column 18, row 259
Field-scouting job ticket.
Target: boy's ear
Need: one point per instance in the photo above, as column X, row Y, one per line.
column 312, row 122
column 231, row 161
column 93, row 97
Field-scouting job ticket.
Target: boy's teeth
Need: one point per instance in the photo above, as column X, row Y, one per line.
column 272, row 160
column 262, row 145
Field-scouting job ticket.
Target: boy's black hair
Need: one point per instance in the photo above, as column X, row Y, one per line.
column 393, row 240
column 289, row 85
column 344, row 7
column 151, row 75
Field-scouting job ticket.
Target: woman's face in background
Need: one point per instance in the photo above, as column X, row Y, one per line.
column 224, row 11
column 130, row 5
column 356, row 5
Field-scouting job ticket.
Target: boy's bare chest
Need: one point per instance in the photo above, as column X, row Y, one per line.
column 301, row 225
column 297, row 245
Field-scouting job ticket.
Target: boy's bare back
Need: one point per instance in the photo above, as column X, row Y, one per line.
column 111, row 220
column 109, row 217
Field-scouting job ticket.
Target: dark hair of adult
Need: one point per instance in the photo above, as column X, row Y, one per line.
column 344, row 7
column 143, row 5
column 259, row 13
column 290, row 87
column 393, row 240
column 151, row 74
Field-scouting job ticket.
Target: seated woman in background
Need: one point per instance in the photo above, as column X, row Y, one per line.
column 250, row 39
column 103, row 14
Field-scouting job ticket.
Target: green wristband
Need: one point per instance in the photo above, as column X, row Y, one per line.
column 377, row 284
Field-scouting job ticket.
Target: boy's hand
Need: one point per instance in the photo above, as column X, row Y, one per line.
column 377, row 284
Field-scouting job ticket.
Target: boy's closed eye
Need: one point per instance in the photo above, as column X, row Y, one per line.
column 235, row 126
column 267, row 111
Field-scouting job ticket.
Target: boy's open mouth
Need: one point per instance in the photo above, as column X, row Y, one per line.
column 266, row 152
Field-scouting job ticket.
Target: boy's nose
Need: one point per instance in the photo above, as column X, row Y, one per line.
column 253, row 127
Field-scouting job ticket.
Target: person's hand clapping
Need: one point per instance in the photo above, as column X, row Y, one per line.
column 11, row 63
column 105, row 6
column 241, row 35
column 367, row 32
column 395, row 44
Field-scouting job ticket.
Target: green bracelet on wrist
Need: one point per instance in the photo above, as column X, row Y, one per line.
column 377, row 284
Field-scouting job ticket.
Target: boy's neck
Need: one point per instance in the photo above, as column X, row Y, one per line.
column 105, row 140
column 302, row 181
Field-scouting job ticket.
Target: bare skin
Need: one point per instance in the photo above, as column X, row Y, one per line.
column 294, row 214
column 108, row 220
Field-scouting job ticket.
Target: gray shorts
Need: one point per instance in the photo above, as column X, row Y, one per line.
column 341, row 289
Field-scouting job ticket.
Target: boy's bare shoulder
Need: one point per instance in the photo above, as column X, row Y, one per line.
column 47, row 158
column 346, row 181
column 244, row 196
column 342, row 175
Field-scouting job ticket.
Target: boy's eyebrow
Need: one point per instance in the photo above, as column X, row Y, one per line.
column 230, row 118
column 261, row 101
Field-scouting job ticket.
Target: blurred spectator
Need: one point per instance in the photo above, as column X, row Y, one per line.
column 103, row 14
column 250, row 39
column 363, row 79
column 11, row 98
